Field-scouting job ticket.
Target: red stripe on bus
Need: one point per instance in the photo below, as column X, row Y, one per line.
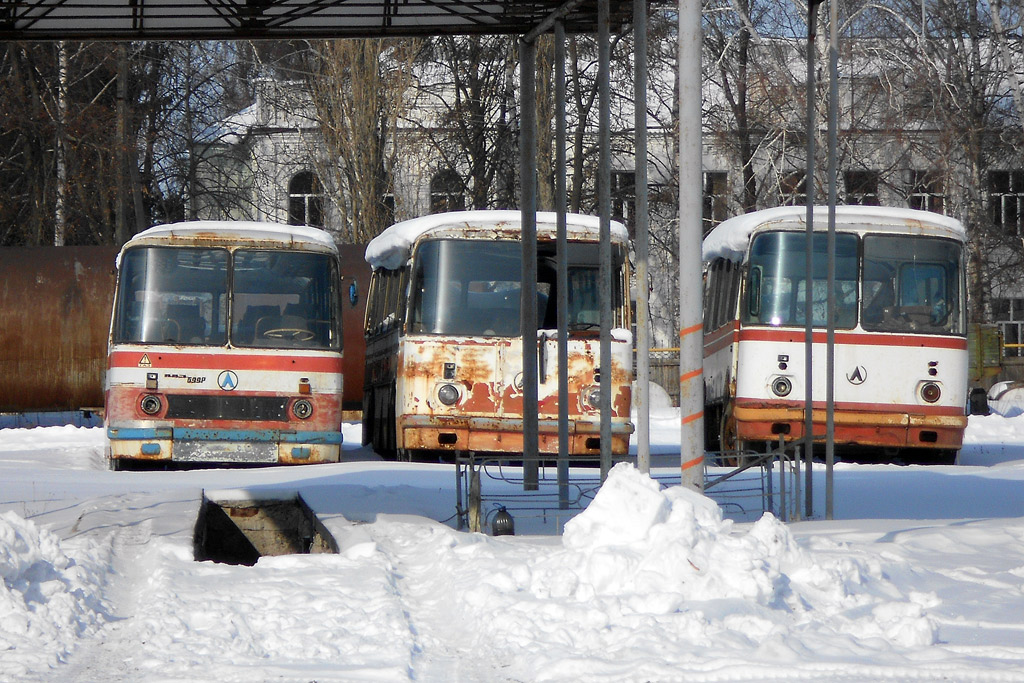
column 221, row 361
column 721, row 338
column 856, row 338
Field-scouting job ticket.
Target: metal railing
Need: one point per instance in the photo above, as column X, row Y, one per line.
column 745, row 484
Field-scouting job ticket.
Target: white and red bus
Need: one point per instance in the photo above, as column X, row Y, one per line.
column 444, row 353
column 900, row 386
column 225, row 346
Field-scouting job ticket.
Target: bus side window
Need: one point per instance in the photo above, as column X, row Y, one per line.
column 391, row 299
column 402, row 298
column 713, row 305
column 754, row 295
column 707, row 298
column 734, row 293
column 373, row 304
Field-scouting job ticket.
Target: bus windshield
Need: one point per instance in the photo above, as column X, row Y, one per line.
column 179, row 295
column 777, row 280
column 911, row 284
column 473, row 287
column 173, row 295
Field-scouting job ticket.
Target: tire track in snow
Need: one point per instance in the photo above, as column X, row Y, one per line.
column 427, row 591
column 107, row 656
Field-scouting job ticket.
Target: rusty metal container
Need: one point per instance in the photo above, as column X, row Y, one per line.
column 54, row 317
column 354, row 268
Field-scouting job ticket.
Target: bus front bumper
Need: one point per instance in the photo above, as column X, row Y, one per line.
column 505, row 435
column 176, row 444
column 862, row 428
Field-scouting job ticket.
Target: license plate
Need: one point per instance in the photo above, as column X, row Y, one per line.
column 225, row 451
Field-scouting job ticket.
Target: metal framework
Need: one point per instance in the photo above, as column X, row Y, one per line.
column 287, row 19
column 122, row 20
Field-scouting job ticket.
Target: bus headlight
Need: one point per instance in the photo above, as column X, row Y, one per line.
column 448, row 394
column 302, row 408
column 151, row 405
column 781, row 386
column 592, row 397
column 930, row 392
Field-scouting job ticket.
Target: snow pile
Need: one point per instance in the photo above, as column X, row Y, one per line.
column 293, row 617
column 635, row 538
column 644, row 583
column 1006, row 399
column 48, row 600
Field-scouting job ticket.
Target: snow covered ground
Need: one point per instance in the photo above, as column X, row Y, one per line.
column 920, row 576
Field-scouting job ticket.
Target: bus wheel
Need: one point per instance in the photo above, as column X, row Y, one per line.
column 727, row 441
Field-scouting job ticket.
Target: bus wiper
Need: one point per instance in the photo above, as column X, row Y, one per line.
column 584, row 326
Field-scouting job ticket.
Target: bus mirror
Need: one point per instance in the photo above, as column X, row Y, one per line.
column 754, row 302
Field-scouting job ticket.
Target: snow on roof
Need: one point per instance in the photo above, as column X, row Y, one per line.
column 392, row 248
column 289, row 235
column 730, row 239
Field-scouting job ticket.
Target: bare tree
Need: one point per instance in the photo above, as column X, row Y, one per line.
column 56, row 128
column 466, row 114
column 358, row 91
column 955, row 79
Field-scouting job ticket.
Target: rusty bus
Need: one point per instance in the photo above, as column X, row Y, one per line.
column 444, row 348
column 225, row 346
column 900, row 331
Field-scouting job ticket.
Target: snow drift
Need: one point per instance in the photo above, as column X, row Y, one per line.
column 48, row 600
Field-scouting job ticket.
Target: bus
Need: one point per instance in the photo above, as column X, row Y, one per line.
column 900, row 386
column 225, row 346
column 444, row 347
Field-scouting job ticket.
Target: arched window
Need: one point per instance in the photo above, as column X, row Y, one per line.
column 446, row 192
column 305, row 200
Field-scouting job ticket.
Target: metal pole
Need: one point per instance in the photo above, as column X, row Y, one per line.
column 830, row 364
column 691, row 327
column 812, row 21
column 528, row 313
column 604, row 211
column 562, row 276
column 642, row 400
column 121, row 220
column 796, row 483
column 783, row 503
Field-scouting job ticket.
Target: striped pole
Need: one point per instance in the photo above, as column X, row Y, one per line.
column 691, row 326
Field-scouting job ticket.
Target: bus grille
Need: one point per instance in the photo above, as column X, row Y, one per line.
column 227, row 407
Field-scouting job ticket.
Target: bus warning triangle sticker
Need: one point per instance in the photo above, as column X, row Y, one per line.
column 144, row 363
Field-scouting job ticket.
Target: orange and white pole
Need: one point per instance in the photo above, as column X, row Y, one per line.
column 691, row 326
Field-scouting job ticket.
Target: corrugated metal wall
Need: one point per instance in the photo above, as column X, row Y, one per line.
column 55, row 315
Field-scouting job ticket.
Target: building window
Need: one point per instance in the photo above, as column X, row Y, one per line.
column 716, row 196
column 305, row 200
column 926, row 191
column 1009, row 315
column 388, row 202
column 1006, row 200
column 793, row 189
column 446, row 192
column 862, row 188
column 624, row 199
